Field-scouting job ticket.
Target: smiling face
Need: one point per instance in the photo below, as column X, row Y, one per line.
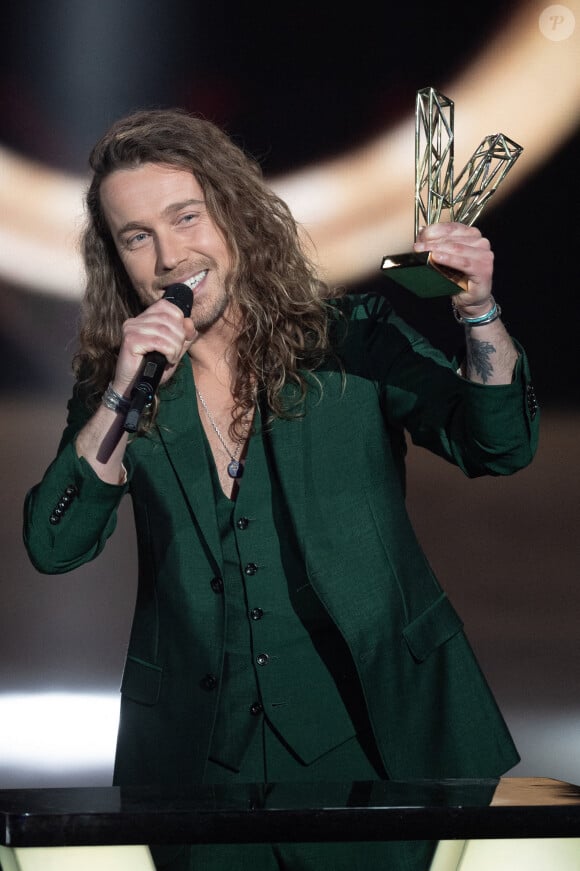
column 163, row 233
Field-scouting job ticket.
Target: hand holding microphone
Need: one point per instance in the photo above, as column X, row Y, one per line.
column 154, row 362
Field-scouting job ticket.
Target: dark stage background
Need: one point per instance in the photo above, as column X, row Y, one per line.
column 295, row 85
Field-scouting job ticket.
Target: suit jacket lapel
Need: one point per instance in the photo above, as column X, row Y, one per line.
column 181, row 433
column 289, row 440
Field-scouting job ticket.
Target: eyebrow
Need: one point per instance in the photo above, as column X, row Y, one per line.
column 171, row 209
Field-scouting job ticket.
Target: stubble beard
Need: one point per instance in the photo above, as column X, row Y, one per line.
column 206, row 319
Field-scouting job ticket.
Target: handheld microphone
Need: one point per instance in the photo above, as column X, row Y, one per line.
column 154, row 362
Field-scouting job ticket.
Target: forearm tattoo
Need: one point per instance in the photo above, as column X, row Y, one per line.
column 479, row 358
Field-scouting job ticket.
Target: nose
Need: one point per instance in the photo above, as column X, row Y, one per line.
column 170, row 252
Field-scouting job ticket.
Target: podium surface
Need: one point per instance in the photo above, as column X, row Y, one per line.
column 448, row 809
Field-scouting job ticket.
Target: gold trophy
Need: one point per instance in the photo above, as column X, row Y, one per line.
column 441, row 197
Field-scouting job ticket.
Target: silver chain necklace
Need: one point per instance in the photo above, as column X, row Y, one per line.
column 235, row 466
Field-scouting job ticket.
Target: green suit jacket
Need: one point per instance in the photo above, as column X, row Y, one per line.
column 341, row 473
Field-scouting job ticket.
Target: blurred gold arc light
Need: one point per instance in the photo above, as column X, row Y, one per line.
column 525, row 83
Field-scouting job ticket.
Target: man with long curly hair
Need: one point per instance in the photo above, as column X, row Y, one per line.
column 287, row 625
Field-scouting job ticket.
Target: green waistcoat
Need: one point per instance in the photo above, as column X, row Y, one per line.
column 276, row 630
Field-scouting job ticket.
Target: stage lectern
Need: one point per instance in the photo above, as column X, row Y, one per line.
column 511, row 824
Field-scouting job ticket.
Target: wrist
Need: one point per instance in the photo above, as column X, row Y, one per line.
column 121, row 387
column 115, row 401
column 476, row 316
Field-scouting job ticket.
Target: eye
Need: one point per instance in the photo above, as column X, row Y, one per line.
column 188, row 218
column 136, row 241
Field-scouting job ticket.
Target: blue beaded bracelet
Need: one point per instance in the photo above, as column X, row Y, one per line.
column 489, row 317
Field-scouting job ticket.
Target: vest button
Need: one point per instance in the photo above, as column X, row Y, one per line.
column 255, row 709
column 208, row 682
column 242, row 523
column 251, row 569
column 262, row 659
column 256, row 613
column 217, row 585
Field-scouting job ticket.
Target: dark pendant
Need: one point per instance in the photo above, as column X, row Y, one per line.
column 235, row 469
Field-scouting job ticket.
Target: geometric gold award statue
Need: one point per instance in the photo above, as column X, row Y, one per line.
column 441, row 197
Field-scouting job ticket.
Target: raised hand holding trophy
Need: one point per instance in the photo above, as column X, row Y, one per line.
column 440, row 197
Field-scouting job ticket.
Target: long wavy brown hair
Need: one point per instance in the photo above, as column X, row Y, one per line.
column 284, row 333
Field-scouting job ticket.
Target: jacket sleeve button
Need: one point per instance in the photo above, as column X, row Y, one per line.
column 217, row 585
column 533, row 404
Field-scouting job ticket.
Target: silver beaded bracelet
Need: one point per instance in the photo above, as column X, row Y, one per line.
column 488, row 318
column 114, row 401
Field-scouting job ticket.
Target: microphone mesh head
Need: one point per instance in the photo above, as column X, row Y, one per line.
column 180, row 295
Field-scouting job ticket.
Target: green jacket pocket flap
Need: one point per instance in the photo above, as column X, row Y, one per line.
column 141, row 681
column 432, row 628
